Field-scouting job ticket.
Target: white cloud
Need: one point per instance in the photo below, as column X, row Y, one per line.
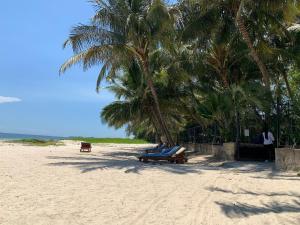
column 4, row 99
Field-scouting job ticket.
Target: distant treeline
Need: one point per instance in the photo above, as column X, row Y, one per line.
column 109, row 140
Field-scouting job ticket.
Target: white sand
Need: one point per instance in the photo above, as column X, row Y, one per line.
column 59, row 185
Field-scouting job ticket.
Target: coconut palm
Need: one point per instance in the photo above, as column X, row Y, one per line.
column 284, row 11
column 195, row 62
column 134, row 107
column 250, row 14
column 122, row 31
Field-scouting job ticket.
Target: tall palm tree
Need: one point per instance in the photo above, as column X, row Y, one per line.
column 134, row 107
column 224, row 57
column 243, row 30
column 247, row 13
column 285, row 12
column 122, row 31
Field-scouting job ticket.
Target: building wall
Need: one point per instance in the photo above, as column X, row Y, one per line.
column 287, row 159
column 201, row 149
column 223, row 152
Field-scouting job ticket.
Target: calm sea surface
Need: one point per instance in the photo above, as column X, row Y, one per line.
column 8, row 136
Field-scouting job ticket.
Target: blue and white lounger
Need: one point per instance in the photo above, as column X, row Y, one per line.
column 174, row 154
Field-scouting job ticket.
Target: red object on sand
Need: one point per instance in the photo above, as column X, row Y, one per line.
column 85, row 147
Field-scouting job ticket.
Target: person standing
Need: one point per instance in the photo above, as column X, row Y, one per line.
column 268, row 143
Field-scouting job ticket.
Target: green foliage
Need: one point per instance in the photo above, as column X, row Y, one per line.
column 134, row 109
column 37, row 142
column 201, row 65
column 294, row 79
column 119, row 32
column 109, row 140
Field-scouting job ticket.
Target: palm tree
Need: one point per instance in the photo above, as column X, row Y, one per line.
column 285, row 12
column 134, row 107
column 122, row 31
column 224, row 58
column 133, row 104
column 247, row 13
column 243, row 30
column 185, row 64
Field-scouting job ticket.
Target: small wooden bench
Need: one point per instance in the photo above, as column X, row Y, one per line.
column 85, row 147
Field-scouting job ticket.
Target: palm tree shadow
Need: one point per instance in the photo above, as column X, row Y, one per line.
column 127, row 160
column 122, row 160
column 242, row 210
column 239, row 210
column 254, row 194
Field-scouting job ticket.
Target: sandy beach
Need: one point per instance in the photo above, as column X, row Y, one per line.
column 60, row 186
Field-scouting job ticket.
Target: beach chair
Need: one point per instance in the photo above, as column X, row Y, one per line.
column 157, row 149
column 175, row 154
column 85, row 147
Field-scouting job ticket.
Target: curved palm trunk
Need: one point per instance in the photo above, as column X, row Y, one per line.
column 161, row 121
column 155, row 122
column 243, row 30
column 238, row 135
column 287, row 83
column 159, row 114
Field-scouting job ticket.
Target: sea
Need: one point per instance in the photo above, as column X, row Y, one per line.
column 11, row 136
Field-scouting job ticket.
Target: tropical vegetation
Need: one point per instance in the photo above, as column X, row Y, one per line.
column 109, row 140
column 37, row 142
column 224, row 65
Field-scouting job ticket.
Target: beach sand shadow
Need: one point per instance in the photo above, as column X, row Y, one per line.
column 122, row 160
column 240, row 210
column 127, row 160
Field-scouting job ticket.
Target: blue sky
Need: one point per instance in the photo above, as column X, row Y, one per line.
column 34, row 99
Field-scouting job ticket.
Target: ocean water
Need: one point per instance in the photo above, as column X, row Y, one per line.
column 9, row 136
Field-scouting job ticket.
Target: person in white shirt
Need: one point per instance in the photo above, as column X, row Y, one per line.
column 268, row 143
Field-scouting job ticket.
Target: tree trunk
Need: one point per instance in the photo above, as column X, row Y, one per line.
column 155, row 122
column 159, row 114
column 238, row 133
column 290, row 92
column 243, row 30
column 144, row 60
column 278, row 121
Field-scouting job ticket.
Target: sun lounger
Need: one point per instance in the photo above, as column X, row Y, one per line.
column 175, row 154
column 157, row 149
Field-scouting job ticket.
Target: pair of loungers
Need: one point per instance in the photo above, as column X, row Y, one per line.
column 174, row 155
